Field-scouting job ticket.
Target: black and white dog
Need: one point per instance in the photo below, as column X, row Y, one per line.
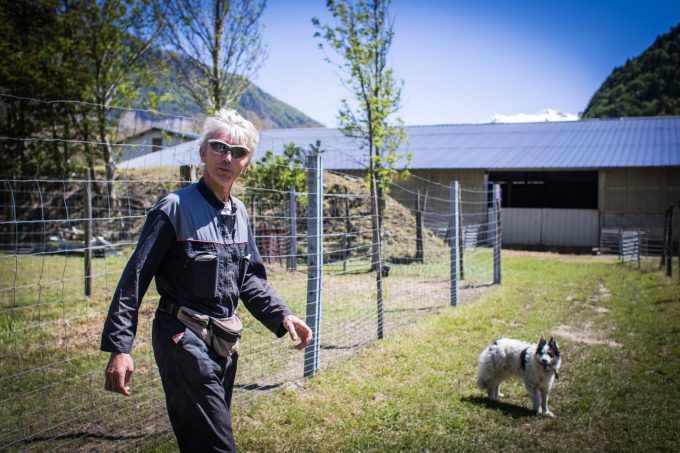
column 536, row 365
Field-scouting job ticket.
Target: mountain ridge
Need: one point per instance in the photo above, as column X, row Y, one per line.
column 647, row 85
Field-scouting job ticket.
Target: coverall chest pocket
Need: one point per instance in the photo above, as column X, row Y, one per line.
column 201, row 268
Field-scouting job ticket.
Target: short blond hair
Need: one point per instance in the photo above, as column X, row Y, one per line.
column 239, row 129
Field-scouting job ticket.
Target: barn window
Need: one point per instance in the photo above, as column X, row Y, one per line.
column 157, row 144
column 547, row 189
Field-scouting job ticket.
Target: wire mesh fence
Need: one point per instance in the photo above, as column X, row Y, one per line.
column 643, row 244
column 65, row 242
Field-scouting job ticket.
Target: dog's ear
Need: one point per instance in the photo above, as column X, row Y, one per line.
column 541, row 343
column 554, row 346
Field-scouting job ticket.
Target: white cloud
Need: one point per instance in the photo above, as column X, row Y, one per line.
column 545, row 115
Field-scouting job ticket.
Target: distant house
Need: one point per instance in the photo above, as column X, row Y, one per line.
column 152, row 140
column 562, row 183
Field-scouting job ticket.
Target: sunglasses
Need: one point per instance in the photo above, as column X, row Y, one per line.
column 222, row 148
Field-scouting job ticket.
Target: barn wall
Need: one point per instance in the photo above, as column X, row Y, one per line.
column 629, row 198
column 637, row 198
column 146, row 139
column 639, row 190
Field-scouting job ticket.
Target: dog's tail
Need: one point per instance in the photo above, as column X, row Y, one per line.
column 482, row 371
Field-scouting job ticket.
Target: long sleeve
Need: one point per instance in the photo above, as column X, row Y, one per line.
column 265, row 304
column 120, row 327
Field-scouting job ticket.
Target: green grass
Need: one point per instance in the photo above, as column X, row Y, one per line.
column 618, row 329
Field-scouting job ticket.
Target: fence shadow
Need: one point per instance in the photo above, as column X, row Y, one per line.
column 258, row 387
column 510, row 409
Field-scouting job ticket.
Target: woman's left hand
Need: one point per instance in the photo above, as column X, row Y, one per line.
column 298, row 331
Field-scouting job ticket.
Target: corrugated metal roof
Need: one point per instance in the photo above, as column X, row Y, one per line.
column 626, row 142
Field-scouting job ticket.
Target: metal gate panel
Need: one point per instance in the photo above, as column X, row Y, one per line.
column 550, row 227
column 521, row 226
column 570, row 227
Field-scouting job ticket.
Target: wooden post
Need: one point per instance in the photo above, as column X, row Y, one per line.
column 669, row 258
column 187, row 175
column 292, row 251
column 348, row 230
column 87, row 251
column 662, row 263
column 253, row 216
column 419, row 230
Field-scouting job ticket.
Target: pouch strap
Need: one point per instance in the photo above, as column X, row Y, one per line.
column 170, row 308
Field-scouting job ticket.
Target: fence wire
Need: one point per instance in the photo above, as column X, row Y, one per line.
column 52, row 395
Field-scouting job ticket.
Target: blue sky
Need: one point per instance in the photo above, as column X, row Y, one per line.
column 466, row 61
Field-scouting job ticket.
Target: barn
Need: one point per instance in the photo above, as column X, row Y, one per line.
column 152, row 140
column 563, row 183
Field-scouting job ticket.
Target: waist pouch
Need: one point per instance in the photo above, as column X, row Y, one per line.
column 221, row 334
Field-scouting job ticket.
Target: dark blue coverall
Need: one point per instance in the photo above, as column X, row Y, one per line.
column 195, row 246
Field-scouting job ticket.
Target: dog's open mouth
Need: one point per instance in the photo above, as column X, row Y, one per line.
column 546, row 367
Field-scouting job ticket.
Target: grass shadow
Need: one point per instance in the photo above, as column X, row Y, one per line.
column 258, row 387
column 83, row 435
column 665, row 301
column 512, row 410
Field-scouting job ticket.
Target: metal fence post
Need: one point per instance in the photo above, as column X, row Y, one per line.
column 87, row 252
column 454, row 231
column 292, row 252
column 314, row 259
column 497, row 234
column 461, row 248
column 378, row 263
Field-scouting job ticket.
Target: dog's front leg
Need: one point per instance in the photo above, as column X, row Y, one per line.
column 535, row 398
column 544, row 403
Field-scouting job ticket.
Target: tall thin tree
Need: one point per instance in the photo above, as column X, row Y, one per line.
column 361, row 35
column 217, row 48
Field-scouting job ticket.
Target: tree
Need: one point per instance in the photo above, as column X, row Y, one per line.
column 362, row 36
column 113, row 37
column 39, row 63
column 647, row 85
column 217, row 48
column 278, row 173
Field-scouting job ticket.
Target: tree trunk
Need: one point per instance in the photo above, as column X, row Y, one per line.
column 107, row 156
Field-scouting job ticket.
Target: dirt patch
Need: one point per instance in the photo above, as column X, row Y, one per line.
column 584, row 334
column 603, row 291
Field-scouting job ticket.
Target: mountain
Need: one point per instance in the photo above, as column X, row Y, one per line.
column 260, row 107
column 647, row 85
column 267, row 112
